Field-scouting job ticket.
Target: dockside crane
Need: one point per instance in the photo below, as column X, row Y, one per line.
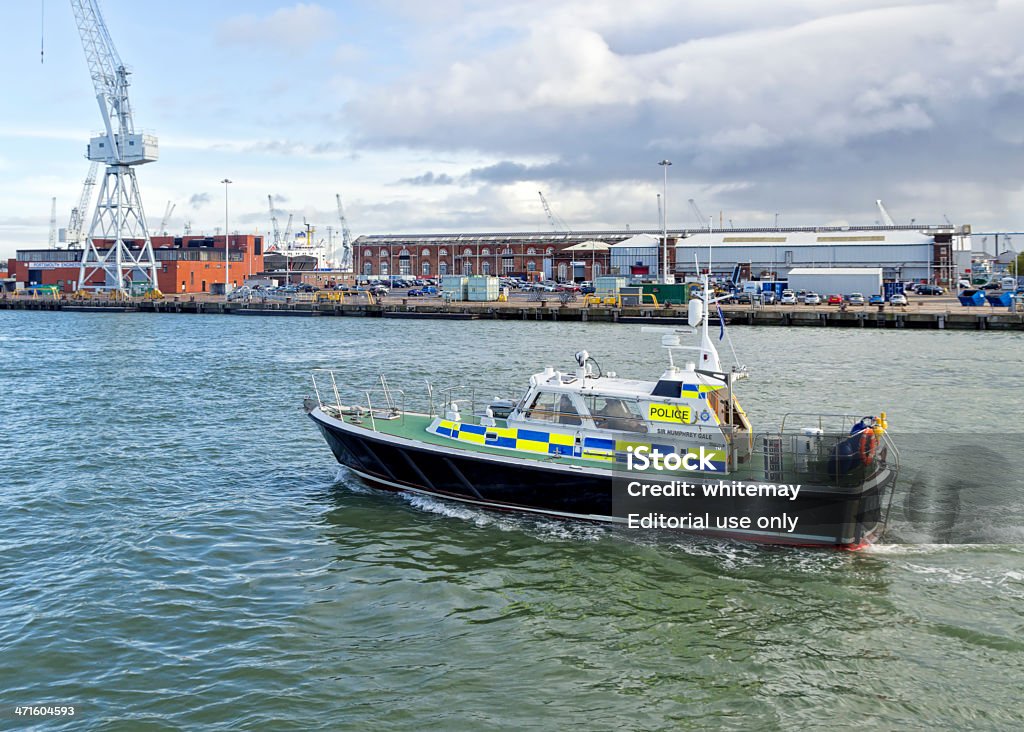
column 346, row 238
column 273, row 222
column 53, row 223
column 285, row 239
column 118, row 221
column 167, row 217
column 886, row 218
column 697, row 212
column 76, row 222
column 556, row 221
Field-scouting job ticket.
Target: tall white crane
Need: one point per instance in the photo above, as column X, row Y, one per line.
column 554, row 219
column 167, row 217
column 125, row 255
column 273, row 221
column 76, row 222
column 53, row 223
column 346, row 238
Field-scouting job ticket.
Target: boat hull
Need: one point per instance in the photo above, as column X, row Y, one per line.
column 846, row 518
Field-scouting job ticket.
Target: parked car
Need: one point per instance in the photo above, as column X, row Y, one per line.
column 929, row 290
column 766, row 297
column 989, row 286
column 788, row 298
column 857, row 298
column 587, row 289
column 898, row 298
column 876, row 300
column 835, row 299
column 812, row 298
column 425, row 291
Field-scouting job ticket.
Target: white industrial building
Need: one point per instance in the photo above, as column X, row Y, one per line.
column 837, row 280
column 904, row 253
column 637, row 256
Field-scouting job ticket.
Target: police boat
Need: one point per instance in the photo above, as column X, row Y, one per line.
column 677, row 453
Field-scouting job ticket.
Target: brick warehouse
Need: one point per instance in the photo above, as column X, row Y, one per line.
column 533, row 255
column 189, row 264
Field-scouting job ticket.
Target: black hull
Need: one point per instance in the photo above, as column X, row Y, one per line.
column 827, row 517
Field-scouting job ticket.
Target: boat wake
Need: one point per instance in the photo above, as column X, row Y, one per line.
column 543, row 528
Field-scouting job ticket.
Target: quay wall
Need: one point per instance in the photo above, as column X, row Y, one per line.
column 964, row 319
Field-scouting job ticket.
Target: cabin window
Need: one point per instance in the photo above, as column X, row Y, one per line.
column 542, row 408
column 556, row 408
column 611, row 413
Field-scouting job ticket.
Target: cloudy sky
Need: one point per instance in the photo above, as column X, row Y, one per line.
column 450, row 116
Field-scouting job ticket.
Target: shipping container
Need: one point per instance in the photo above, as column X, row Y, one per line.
column 454, row 286
column 482, row 288
column 608, row 285
column 671, row 294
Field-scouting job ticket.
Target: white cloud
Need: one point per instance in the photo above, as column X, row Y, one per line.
column 293, row 28
column 829, row 79
column 793, row 104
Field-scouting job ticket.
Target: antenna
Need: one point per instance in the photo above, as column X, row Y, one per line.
column 711, row 244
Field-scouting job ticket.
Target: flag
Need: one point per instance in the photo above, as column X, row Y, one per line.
column 721, row 322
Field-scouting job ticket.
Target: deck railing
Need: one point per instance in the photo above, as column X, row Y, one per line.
column 383, row 401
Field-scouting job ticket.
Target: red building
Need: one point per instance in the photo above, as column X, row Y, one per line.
column 189, row 264
column 530, row 255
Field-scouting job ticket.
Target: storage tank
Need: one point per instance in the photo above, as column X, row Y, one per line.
column 482, row 288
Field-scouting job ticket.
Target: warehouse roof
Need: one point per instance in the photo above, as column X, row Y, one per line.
column 822, row 237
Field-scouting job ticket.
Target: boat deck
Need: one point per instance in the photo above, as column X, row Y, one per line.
column 412, row 426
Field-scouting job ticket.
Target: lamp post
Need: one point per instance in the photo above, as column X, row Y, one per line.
column 227, row 247
column 665, row 276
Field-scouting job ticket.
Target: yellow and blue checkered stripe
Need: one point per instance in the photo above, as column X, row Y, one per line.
column 537, row 441
column 599, row 448
column 697, row 391
column 556, row 443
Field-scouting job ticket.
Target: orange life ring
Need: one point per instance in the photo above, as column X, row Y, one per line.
column 868, row 445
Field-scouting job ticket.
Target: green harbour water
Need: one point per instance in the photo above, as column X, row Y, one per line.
column 179, row 549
